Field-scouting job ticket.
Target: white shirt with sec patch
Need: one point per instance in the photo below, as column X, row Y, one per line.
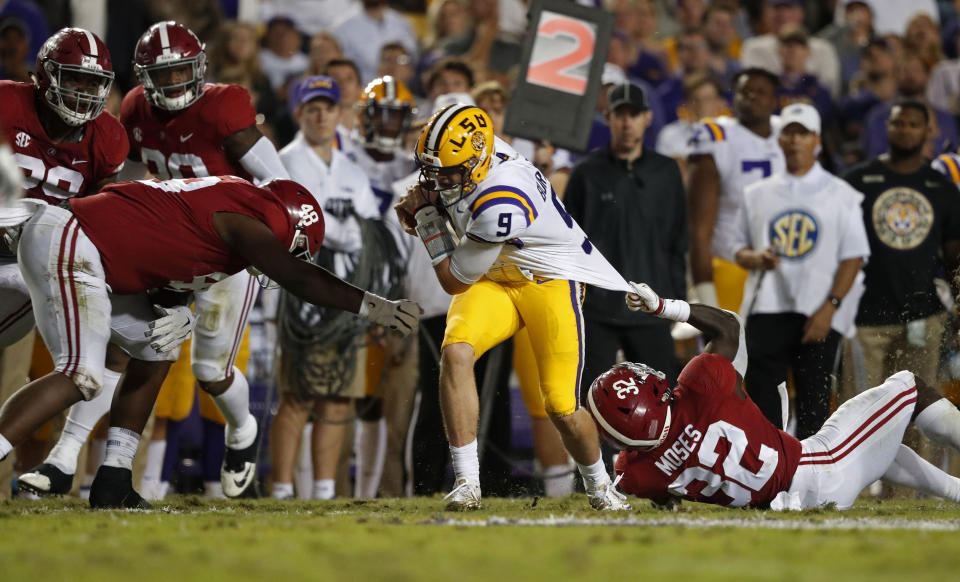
column 515, row 207
column 817, row 222
column 742, row 158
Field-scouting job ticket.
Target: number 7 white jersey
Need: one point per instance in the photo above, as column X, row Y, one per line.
column 515, row 206
column 742, row 158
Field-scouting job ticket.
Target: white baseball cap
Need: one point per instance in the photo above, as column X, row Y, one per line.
column 805, row 115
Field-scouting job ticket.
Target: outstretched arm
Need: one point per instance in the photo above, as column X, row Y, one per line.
column 256, row 243
column 721, row 328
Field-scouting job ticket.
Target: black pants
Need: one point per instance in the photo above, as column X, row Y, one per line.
column 650, row 344
column 431, row 452
column 773, row 345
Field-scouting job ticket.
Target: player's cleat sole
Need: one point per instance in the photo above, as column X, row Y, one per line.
column 44, row 480
column 238, row 474
column 464, row 497
column 112, row 488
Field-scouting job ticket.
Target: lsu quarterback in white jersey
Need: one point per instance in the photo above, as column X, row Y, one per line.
column 514, row 259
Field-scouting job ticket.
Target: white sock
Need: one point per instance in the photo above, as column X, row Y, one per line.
column 910, row 470
column 234, row 404
column 594, row 476
column 557, row 481
column 303, row 470
column 371, row 451
column 324, row 489
column 5, row 447
column 155, row 453
column 121, row 448
column 96, row 452
column 213, row 490
column 81, row 420
column 466, row 463
column 940, row 422
column 282, row 490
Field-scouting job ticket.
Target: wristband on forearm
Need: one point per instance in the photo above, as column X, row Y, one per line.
column 673, row 309
column 432, row 230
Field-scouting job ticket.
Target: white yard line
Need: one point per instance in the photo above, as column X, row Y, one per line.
column 837, row 523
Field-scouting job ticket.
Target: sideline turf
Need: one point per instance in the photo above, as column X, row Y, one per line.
column 194, row 539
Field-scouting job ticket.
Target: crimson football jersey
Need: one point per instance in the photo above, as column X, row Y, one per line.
column 154, row 234
column 55, row 171
column 188, row 143
column 721, row 449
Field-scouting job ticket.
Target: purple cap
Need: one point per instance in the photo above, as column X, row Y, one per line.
column 316, row 87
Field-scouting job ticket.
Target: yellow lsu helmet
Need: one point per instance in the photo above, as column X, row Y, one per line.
column 454, row 151
column 385, row 110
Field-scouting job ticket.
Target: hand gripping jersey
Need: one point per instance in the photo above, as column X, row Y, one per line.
column 54, row 171
column 742, row 158
column 153, row 234
column 721, row 449
column 188, row 143
column 515, row 205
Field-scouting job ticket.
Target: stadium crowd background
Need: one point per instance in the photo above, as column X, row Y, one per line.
column 852, row 60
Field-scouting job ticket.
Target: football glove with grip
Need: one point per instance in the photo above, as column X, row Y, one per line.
column 646, row 300
column 171, row 329
column 401, row 315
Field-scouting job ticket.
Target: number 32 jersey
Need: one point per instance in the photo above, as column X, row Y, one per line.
column 55, row 171
column 515, row 206
column 742, row 158
column 721, row 449
column 188, row 143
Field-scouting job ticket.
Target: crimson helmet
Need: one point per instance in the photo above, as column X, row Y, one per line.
column 160, row 60
column 305, row 215
column 631, row 405
column 74, row 75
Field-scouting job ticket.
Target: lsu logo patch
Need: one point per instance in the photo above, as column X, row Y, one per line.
column 795, row 233
column 477, row 141
column 902, row 218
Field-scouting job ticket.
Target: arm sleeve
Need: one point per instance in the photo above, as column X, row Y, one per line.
column 263, row 162
column 854, row 242
column 472, row 259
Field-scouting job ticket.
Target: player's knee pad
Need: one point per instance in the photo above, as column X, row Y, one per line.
column 88, row 382
column 207, row 372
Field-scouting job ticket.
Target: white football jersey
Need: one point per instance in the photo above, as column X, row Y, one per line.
column 742, row 158
column 515, row 205
column 948, row 164
column 382, row 175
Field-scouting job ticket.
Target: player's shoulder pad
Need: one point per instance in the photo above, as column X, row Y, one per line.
column 218, row 95
column 948, row 164
column 709, row 372
column 111, row 139
column 132, row 103
column 710, row 129
column 500, row 212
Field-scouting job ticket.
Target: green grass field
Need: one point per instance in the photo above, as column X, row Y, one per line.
column 510, row 539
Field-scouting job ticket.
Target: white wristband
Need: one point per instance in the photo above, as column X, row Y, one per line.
column 675, row 309
column 432, row 230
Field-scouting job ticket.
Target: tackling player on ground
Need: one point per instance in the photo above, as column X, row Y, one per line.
column 705, row 440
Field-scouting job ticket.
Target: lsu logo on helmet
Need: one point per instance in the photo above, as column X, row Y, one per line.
column 454, row 151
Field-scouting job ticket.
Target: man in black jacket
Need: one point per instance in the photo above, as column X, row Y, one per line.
column 631, row 203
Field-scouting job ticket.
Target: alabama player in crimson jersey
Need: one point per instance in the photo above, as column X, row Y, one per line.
column 63, row 141
column 139, row 236
column 181, row 127
column 705, row 440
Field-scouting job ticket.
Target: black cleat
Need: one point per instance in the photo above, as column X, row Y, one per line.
column 44, row 480
column 112, row 488
column 238, row 475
